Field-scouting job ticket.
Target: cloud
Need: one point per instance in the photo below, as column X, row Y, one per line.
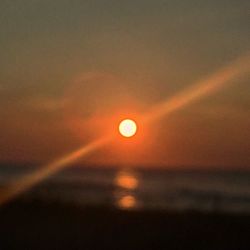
column 47, row 104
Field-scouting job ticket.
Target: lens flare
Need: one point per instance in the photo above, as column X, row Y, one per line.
column 205, row 87
column 128, row 128
column 30, row 180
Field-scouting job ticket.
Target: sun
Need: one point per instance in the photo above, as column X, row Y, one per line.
column 127, row 128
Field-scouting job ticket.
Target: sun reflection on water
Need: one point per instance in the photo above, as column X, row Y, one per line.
column 127, row 202
column 126, row 183
column 126, row 180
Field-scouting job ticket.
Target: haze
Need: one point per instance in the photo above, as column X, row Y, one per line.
column 70, row 69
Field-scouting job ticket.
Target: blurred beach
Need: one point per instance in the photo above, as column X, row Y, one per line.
column 109, row 208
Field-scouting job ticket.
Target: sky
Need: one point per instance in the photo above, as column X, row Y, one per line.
column 71, row 69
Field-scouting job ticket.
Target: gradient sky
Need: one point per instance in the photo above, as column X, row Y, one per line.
column 69, row 68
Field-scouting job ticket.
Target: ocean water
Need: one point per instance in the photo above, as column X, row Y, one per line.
column 224, row 191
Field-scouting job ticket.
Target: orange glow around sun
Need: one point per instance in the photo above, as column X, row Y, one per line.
column 127, row 128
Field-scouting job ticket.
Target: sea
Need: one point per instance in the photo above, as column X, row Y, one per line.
column 139, row 188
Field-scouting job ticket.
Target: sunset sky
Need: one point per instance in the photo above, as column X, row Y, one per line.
column 70, row 70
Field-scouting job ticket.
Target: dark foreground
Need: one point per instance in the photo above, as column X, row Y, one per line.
column 56, row 226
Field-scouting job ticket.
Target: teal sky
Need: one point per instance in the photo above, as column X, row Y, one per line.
column 64, row 62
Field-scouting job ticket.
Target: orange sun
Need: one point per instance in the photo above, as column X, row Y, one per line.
column 127, row 128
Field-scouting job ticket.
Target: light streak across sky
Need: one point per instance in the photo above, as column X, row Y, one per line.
column 28, row 181
column 201, row 89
